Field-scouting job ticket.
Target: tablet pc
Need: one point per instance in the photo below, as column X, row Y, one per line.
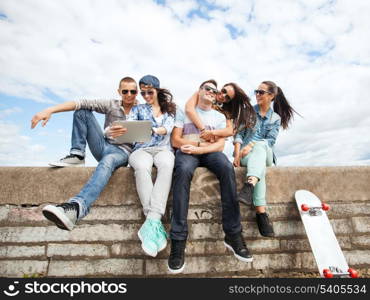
column 137, row 131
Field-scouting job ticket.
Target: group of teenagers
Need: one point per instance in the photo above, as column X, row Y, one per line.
column 180, row 142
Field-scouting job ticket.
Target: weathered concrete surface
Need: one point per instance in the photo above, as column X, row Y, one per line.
column 30, row 185
column 105, row 243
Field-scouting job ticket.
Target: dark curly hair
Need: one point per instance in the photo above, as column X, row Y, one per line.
column 165, row 100
column 240, row 109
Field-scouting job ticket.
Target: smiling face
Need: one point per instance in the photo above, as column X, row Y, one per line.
column 128, row 92
column 208, row 92
column 149, row 94
column 263, row 95
column 226, row 94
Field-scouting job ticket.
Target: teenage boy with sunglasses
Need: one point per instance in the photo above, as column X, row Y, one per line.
column 110, row 154
column 192, row 153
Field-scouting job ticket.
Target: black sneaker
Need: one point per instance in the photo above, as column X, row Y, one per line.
column 237, row 245
column 264, row 225
column 63, row 215
column 176, row 261
column 246, row 194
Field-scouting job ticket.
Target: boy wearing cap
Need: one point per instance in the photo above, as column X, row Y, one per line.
column 110, row 154
column 192, row 153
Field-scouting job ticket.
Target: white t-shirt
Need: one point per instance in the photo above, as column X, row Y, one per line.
column 211, row 119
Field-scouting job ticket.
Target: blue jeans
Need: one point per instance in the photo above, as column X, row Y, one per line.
column 110, row 157
column 218, row 164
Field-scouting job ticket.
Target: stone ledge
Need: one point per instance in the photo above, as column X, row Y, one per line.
column 105, row 243
column 40, row 185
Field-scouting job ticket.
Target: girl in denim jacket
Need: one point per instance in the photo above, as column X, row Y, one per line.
column 254, row 148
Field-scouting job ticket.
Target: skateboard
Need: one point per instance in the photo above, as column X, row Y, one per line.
column 325, row 248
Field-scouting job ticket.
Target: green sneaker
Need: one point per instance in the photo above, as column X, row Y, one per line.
column 147, row 237
column 160, row 235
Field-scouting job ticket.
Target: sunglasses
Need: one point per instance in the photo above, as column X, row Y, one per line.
column 261, row 92
column 144, row 93
column 132, row 92
column 209, row 89
column 224, row 91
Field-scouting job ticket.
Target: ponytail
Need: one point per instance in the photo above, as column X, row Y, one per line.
column 281, row 105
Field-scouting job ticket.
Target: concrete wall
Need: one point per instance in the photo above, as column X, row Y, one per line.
column 105, row 243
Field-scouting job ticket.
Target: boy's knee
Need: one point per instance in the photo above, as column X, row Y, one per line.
column 184, row 170
column 82, row 112
column 112, row 161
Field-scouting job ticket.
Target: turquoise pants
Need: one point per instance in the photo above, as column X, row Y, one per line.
column 256, row 162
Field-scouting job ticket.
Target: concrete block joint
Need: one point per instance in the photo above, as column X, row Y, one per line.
column 105, row 243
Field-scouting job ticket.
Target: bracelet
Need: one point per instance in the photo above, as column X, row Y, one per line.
column 202, row 129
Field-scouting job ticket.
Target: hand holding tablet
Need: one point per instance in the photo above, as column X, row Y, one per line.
column 136, row 131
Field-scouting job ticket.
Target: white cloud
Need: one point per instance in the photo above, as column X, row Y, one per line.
column 182, row 8
column 9, row 111
column 17, row 149
column 316, row 51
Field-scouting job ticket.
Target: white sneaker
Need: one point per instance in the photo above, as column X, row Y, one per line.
column 71, row 160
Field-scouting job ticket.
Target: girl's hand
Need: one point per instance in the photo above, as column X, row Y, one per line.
column 207, row 135
column 245, row 151
column 236, row 161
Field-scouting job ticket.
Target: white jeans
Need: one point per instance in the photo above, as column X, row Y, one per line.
column 153, row 197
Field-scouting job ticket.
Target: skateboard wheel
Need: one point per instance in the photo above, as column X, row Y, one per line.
column 305, row 207
column 353, row 273
column 327, row 273
column 325, row 206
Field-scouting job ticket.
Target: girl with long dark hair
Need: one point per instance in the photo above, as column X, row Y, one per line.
column 254, row 148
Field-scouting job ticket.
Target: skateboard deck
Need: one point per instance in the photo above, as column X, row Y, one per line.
column 325, row 248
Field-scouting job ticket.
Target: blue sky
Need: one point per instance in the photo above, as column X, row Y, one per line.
column 315, row 50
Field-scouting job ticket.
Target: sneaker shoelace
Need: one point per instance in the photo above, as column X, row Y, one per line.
column 239, row 243
column 264, row 219
column 69, row 207
column 177, row 249
column 69, row 156
column 154, row 229
column 158, row 229
column 147, row 230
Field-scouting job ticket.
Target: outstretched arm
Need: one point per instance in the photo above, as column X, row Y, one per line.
column 45, row 115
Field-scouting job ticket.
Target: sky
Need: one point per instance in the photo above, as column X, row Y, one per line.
column 317, row 51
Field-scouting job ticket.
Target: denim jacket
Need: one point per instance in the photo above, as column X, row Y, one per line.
column 266, row 129
column 145, row 112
